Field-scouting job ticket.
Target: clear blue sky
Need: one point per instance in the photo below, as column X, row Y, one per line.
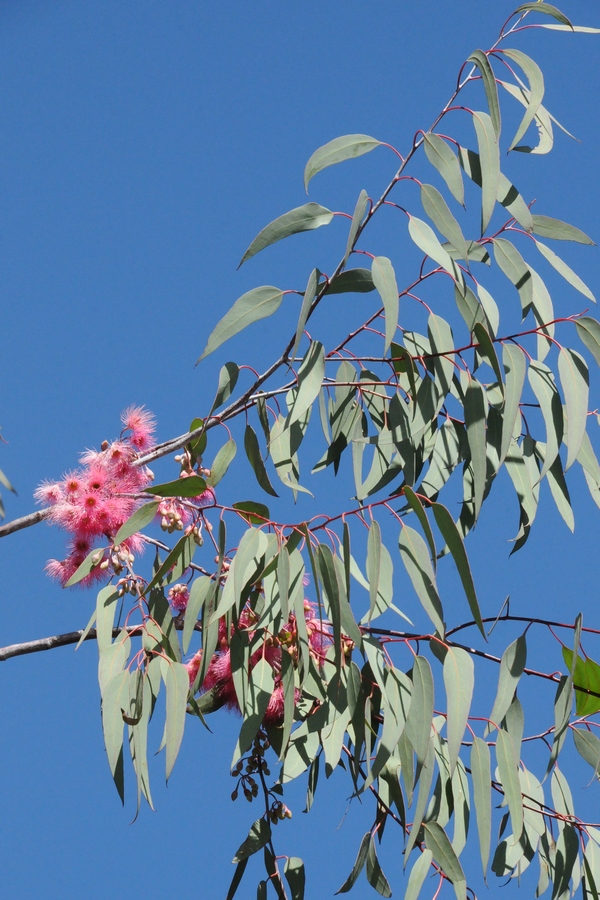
column 142, row 146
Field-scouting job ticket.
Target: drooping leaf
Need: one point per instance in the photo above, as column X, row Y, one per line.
column 586, row 677
column 259, row 693
column 415, row 557
column 509, row 777
column 425, row 238
column 455, row 544
column 222, row 461
column 437, row 209
column 198, row 594
column 475, row 417
column 302, row 218
column 92, row 561
column 384, row 280
column 375, row 875
column 588, row 330
column 542, row 383
column 516, row 270
column 491, row 88
column 445, row 161
column 417, row 508
column 255, row 459
column 237, row 878
column 489, row 159
column 418, row 724
column 259, row 303
column 574, row 380
column 295, row 877
column 482, row 790
column 310, row 377
column 488, row 352
column 228, row 377
column 357, row 219
column 358, row 866
column 511, row 668
column 418, row 874
column 536, row 90
column 307, row 301
column 349, row 146
column 588, row 747
column 514, row 362
column 177, row 684
column 459, row 680
column 140, row 518
column 563, row 269
column 436, row 840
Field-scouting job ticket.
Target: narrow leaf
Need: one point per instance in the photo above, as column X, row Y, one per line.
column 307, row 300
column 418, row 875
column 482, row 790
column 459, row 680
column 536, row 90
column 415, row 557
column 437, row 209
column 302, row 218
column 437, row 841
column 375, row 875
column 349, row 146
column 140, row 518
column 455, row 544
column 491, row 88
column 489, row 157
column 177, row 684
column 358, row 866
column 228, row 377
column 547, row 9
column 258, row 836
column 509, row 776
column 445, row 161
column 384, row 280
column 256, row 304
column 511, row 668
column 563, row 269
column 253, row 453
column 192, row 486
column 559, row 231
column 574, row 380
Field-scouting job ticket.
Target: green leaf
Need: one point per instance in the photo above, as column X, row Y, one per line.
column 258, row 836
column 482, row 790
column 357, row 281
column 425, row 238
column 516, row 270
column 357, row 219
column 253, row 513
column 514, row 362
column 563, row 269
column 192, row 486
column 181, row 554
column 302, row 218
column 114, row 701
column 256, row 461
column 358, row 866
column 418, row 874
column 140, row 518
column 295, row 877
column 260, row 691
column 459, row 680
column 536, row 90
column 436, row 840
column 92, row 560
column 547, row 9
column 349, row 146
column 486, row 349
column 384, row 280
column 259, row 303
column 177, row 685
column 489, row 159
column 475, row 409
column 418, row 724
column 415, row 557
column 445, row 161
column 586, row 677
column 222, row 461
column 491, row 88
column 559, row 231
column 588, row 330
column 583, row 29
column 437, row 209
column 310, row 378
column 228, row 377
column 237, row 878
column 509, row 777
column 542, row 383
column 307, row 301
column 106, row 606
column 588, row 747
column 198, row 594
column 416, row 506
column 574, row 380
column 511, row 668
column 455, row 544
column 507, row 194
column 375, row 875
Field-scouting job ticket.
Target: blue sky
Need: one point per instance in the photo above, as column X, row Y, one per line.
column 142, row 146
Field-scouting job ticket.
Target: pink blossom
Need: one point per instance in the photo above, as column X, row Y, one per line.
column 179, row 596
column 142, row 424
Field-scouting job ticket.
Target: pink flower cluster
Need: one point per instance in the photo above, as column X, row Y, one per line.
column 95, row 500
column 219, row 675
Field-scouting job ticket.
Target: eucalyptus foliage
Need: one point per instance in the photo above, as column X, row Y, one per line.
column 423, row 421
